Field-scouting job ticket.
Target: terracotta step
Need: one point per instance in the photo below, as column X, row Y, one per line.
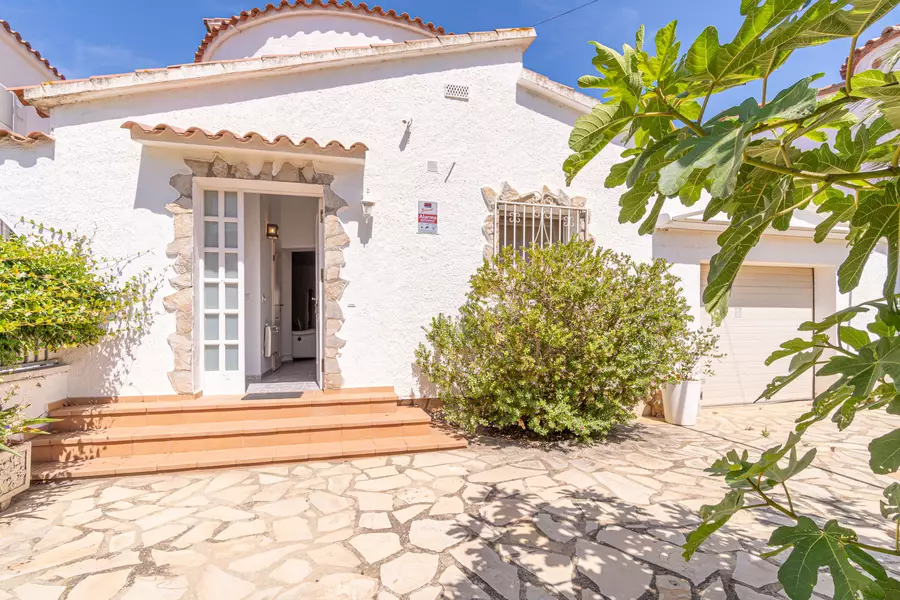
column 174, row 398
column 166, row 439
column 153, row 463
column 217, row 409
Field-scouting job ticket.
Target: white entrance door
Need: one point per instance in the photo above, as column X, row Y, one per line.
column 320, row 296
column 222, row 298
column 766, row 306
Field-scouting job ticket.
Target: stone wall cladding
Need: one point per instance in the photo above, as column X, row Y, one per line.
column 181, row 302
column 509, row 194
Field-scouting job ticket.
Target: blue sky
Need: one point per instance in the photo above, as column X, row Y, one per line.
column 92, row 37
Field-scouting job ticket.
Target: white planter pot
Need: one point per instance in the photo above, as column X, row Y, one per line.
column 15, row 473
column 681, row 402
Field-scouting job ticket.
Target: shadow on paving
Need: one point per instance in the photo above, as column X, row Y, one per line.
column 39, row 498
column 602, row 543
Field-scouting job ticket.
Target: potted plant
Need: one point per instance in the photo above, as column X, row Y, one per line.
column 15, row 454
column 694, row 355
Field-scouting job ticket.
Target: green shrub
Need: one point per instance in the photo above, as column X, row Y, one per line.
column 568, row 340
column 54, row 294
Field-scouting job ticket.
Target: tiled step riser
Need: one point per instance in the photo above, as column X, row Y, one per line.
column 76, row 452
column 45, row 472
column 121, row 399
column 224, row 415
column 88, row 401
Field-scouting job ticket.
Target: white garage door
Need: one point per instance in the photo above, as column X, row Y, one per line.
column 767, row 305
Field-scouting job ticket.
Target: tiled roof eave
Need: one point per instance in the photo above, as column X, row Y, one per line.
column 18, row 37
column 225, row 139
column 691, row 222
column 887, row 34
column 32, row 139
column 226, row 24
column 557, row 91
column 48, row 95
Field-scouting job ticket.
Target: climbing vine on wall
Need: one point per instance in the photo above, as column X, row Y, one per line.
column 55, row 293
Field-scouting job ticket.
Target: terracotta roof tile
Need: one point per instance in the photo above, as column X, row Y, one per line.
column 218, row 26
column 887, row 34
column 35, row 137
column 251, row 138
column 28, row 47
column 830, row 89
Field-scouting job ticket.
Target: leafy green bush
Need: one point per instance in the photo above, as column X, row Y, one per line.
column 568, row 340
column 55, row 294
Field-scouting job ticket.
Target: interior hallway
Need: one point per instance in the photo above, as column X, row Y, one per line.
column 295, row 376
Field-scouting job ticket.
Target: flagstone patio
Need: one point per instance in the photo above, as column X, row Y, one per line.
column 499, row 520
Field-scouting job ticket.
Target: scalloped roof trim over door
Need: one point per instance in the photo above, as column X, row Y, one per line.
column 252, row 141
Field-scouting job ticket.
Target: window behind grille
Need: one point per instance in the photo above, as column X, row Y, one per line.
column 523, row 225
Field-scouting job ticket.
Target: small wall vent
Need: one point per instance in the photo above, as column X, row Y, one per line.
column 432, row 166
column 456, row 92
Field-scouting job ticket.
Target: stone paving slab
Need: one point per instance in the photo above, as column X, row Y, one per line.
column 500, row 520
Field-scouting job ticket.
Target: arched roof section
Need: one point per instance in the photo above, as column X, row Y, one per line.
column 888, row 34
column 299, row 26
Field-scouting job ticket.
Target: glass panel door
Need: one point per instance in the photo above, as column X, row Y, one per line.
column 221, row 300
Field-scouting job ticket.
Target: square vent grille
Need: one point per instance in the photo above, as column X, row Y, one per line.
column 456, row 92
column 432, row 166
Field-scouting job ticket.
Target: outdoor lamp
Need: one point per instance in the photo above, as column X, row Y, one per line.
column 271, row 231
column 367, row 207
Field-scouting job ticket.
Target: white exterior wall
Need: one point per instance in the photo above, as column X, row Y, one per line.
column 37, row 389
column 686, row 250
column 304, row 31
column 96, row 179
column 873, row 60
column 18, row 67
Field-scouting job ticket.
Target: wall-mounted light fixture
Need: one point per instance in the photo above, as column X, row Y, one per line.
column 271, row 231
column 368, row 206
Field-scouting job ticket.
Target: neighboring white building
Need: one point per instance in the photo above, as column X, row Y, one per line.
column 357, row 132
column 20, row 65
column 787, row 278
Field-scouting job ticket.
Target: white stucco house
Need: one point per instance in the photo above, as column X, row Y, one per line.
column 324, row 178
column 21, row 65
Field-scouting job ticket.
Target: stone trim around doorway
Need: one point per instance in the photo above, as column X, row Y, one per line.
column 181, row 249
